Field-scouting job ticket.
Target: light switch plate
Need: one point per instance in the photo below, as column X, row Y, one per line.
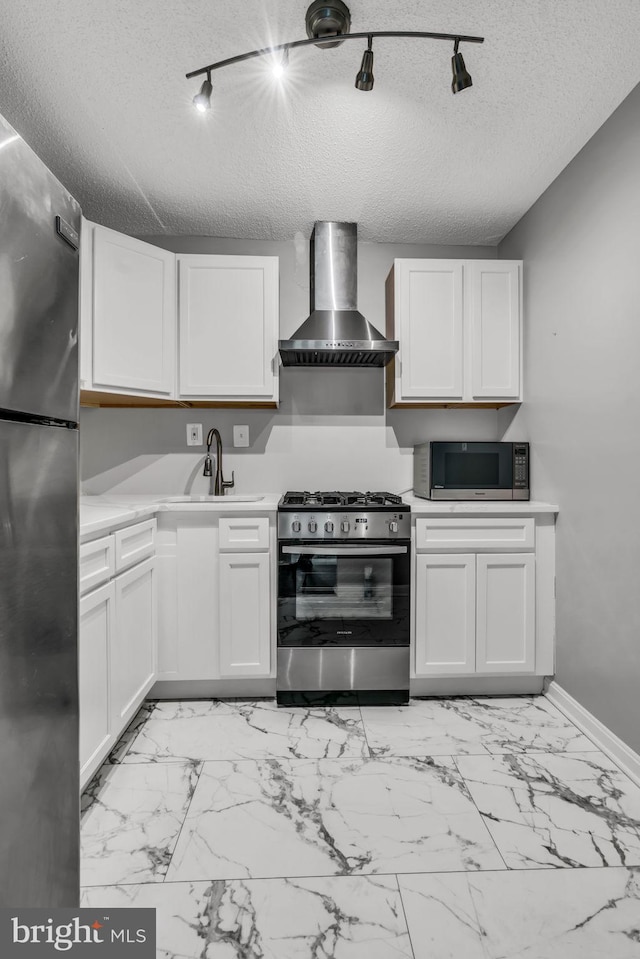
column 194, row 434
column 240, row 435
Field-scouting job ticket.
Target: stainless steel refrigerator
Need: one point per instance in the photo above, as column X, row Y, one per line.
column 39, row 227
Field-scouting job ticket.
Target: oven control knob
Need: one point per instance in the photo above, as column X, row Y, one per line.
column 328, row 527
column 345, row 525
column 393, row 526
column 312, row 526
column 295, row 526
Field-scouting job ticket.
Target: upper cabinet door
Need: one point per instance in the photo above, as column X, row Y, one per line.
column 429, row 307
column 494, row 294
column 132, row 307
column 228, row 310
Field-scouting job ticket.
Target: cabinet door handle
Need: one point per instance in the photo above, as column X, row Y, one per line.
column 343, row 550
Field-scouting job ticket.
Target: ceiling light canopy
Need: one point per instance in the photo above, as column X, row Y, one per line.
column 328, row 25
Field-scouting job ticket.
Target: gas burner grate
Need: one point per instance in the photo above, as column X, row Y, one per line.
column 326, row 498
column 318, row 498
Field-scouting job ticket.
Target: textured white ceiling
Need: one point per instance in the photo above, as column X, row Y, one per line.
column 98, row 90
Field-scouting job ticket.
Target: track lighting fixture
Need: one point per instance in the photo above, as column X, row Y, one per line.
column 328, row 24
column 461, row 78
column 202, row 100
column 364, row 79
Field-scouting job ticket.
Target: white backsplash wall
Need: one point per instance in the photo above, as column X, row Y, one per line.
column 144, row 451
column 331, row 430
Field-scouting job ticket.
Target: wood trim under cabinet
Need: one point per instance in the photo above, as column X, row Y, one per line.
column 96, row 399
column 451, row 406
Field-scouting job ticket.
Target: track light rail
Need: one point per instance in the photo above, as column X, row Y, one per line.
column 333, row 39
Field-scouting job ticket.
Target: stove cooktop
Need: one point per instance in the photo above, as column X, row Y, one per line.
column 333, row 499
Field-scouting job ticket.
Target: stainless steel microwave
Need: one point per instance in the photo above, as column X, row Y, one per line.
column 471, row 471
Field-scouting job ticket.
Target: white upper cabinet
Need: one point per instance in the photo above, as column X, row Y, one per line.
column 459, row 325
column 128, row 315
column 228, row 309
column 225, row 318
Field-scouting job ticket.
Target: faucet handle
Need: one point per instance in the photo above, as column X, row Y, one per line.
column 229, row 485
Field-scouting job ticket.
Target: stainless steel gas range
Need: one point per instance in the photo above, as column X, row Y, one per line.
column 344, row 573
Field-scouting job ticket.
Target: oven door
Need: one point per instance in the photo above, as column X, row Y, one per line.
column 344, row 594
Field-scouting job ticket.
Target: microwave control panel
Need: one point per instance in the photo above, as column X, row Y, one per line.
column 520, row 465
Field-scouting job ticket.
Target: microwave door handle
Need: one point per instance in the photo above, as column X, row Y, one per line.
column 343, row 550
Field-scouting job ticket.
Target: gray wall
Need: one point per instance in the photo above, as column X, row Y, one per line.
column 581, row 247
column 331, row 429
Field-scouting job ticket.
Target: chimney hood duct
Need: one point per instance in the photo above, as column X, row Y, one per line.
column 335, row 334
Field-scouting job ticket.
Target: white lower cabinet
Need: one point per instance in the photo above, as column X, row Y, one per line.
column 216, row 584
column 94, row 651
column 245, row 616
column 117, row 640
column 475, row 612
column 505, row 613
column 133, row 659
column 445, row 614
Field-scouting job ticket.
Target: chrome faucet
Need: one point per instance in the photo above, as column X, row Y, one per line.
column 217, row 487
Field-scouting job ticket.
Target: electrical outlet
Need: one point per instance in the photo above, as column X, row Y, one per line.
column 194, row 434
column 240, row 435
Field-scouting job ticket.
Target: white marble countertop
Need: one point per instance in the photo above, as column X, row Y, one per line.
column 428, row 507
column 102, row 514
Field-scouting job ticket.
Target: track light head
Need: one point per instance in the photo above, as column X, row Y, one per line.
column 281, row 66
column 364, row 79
column 202, row 100
column 461, row 77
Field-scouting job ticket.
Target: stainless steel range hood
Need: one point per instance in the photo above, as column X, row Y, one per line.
column 335, row 334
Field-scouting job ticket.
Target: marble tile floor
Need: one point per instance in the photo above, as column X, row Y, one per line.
column 483, row 828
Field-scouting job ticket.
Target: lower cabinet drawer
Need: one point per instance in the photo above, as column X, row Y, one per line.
column 475, row 533
column 96, row 563
column 244, row 532
column 135, row 543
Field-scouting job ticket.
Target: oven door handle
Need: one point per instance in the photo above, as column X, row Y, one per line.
column 343, row 550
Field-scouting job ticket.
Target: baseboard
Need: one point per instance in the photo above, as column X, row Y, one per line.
column 476, row 686
column 213, row 689
column 611, row 745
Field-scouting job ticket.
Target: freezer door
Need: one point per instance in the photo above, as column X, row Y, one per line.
column 38, row 666
column 38, row 286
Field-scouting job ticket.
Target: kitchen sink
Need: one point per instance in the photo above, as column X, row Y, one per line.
column 231, row 498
